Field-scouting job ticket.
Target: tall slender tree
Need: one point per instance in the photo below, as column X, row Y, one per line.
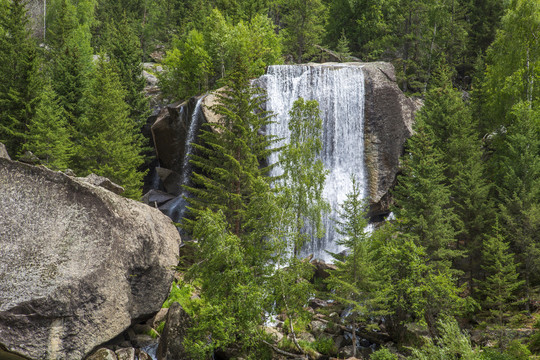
column 109, row 142
column 19, row 80
column 501, row 283
column 48, row 134
column 231, row 153
column 304, row 174
column 352, row 281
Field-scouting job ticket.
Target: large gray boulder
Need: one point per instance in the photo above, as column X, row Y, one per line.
column 78, row 263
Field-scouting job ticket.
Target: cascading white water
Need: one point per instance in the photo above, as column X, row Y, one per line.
column 339, row 89
column 176, row 208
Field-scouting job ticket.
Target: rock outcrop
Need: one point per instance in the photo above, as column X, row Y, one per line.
column 78, row 263
column 171, row 346
column 389, row 117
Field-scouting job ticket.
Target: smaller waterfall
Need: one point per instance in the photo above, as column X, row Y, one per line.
column 339, row 89
column 176, row 208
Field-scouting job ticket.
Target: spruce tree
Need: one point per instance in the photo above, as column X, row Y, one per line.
column 352, row 280
column 230, row 154
column 501, row 283
column 19, row 80
column 425, row 219
column 71, row 54
column 455, row 137
column 422, row 198
column 303, row 27
column 517, row 164
column 108, row 141
column 123, row 48
column 48, row 134
column 232, row 290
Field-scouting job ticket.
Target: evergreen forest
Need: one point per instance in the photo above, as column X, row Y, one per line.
column 453, row 274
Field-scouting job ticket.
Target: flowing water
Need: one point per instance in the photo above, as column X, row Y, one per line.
column 176, row 208
column 339, row 89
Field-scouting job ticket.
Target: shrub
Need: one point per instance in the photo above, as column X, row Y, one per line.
column 383, row 354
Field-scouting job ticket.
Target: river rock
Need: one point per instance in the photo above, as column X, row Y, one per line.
column 171, row 346
column 78, row 263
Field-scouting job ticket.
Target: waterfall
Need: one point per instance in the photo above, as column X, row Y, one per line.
column 339, row 89
column 176, row 208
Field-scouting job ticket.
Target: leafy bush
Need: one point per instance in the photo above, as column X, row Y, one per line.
column 383, row 354
column 452, row 344
column 492, row 354
column 326, row 346
column 181, row 293
column 517, row 351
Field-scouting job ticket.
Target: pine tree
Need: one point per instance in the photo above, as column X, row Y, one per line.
column 19, row 80
column 230, row 155
column 423, row 199
column 108, row 141
column 426, row 220
column 517, row 164
column 303, row 27
column 352, row 280
column 48, row 135
column 123, row 47
column 501, row 283
column 303, row 174
column 454, row 136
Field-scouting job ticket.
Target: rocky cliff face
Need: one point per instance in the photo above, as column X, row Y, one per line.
column 78, row 263
column 389, row 116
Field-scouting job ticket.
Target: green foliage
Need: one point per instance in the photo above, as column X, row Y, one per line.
column 453, row 132
column 326, row 346
column 517, row 174
column 232, row 294
column 383, row 354
column 123, row 48
column 70, row 53
column 512, row 64
column 303, row 27
column 501, row 281
column 108, row 142
column 452, row 344
column 160, row 327
column 423, row 198
column 187, row 68
column 518, row 351
column 229, row 177
column 182, row 293
column 19, row 80
column 304, row 174
column 48, row 135
column 352, row 281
